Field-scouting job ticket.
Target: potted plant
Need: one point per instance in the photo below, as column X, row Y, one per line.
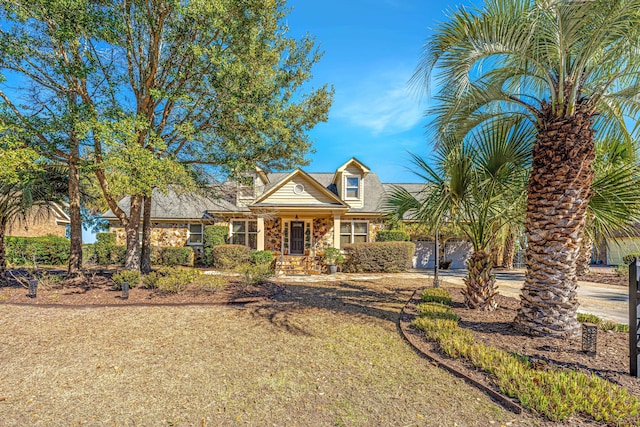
column 332, row 257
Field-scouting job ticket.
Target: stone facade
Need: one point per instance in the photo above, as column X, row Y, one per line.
column 322, row 233
column 173, row 235
column 41, row 223
column 273, row 234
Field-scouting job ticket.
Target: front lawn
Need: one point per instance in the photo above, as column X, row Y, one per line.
column 322, row 354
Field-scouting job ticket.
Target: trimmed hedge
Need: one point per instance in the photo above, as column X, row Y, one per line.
column 388, row 257
column 228, row 257
column 104, row 248
column 47, row 250
column 172, row 257
column 261, row 257
column 214, row 235
column 392, row 236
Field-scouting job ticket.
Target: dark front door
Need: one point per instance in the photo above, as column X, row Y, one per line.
column 297, row 238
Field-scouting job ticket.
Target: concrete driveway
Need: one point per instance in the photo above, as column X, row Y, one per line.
column 610, row 302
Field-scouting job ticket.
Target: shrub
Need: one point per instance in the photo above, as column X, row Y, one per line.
column 261, row 257
column 132, row 277
column 386, row 257
column 229, row 257
column 88, row 253
column 332, row 256
column 588, row 318
column 622, row 270
column 255, row 274
column 47, row 250
column 171, row 280
column 392, row 236
column 172, row 257
column 214, row 235
column 436, row 295
column 628, row 259
column 106, row 250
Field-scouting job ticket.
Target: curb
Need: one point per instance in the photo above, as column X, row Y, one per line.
column 407, row 315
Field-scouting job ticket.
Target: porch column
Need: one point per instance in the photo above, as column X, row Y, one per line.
column 260, row 225
column 336, row 231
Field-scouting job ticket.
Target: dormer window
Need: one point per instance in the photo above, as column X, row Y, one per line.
column 246, row 190
column 352, row 187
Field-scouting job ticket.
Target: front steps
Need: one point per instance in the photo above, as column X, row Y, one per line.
column 298, row 265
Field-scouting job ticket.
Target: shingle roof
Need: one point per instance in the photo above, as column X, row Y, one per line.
column 173, row 205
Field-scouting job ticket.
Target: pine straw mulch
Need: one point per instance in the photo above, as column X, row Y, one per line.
column 496, row 328
column 97, row 289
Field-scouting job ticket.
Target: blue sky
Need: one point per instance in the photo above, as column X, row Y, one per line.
column 371, row 49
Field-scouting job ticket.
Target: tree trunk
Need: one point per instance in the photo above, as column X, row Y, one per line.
column 584, row 256
column 145, row 261
column 509, row 252
column 558, row 194
column 131, row 228
column 481, row 289
column 75, row 257
column 3, row 257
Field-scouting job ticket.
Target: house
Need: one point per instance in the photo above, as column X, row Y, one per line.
column 40, row 221
column 295, row 214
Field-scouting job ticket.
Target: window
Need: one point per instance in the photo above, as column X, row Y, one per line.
column 246, row 190
column 352, row 187
column 244, row 232
column 354, row 232
column 195, row 234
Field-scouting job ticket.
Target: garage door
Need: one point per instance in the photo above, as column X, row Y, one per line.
column 456, row 250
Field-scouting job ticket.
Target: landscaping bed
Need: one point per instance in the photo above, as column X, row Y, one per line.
column 495, row 329
column 97, row 289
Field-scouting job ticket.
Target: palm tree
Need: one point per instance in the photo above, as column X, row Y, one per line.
column 476, row 185
column 572, row 68
column 28, row 192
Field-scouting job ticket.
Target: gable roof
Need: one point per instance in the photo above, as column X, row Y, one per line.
column 331, row 198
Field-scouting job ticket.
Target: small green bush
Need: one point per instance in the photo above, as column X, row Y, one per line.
column 105, row 242
column 172, row 257
column 88, row 254
column 622, row 270
column 628, row 258
column 171, row 280
column 255, row 274
column 46, row 250
column 436, row 295
column 389, row 257
column 229, row 257
column 214, row 235
column 130, row 276
column 622, row 327
column 261, row 257
column 392, row 236
column 588, row 318
column 332, row 256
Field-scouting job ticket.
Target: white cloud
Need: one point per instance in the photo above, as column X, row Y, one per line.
column 381, row 103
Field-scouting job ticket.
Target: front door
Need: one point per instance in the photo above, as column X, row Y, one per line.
column 297, row 238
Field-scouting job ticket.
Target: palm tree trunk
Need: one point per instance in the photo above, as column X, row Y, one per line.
column 584, row 256
column 145, row 258
column 481, row 289
column 75, row 256
column 509, row 252
column 558, row 194
column 3, row 257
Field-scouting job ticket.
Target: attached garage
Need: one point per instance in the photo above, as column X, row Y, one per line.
column 457, row 251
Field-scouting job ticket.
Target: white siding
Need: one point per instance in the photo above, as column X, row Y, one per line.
column 310, row 196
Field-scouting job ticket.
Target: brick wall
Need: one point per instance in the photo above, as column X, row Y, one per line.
column 40, row 222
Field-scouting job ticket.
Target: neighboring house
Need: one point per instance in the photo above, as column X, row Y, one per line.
column 40, row 221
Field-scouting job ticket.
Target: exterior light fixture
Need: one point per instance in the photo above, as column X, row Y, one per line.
column 125, row 290
column 589, row 338
column 33, row 288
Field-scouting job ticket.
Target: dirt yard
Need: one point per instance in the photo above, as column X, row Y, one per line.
column 306, row 354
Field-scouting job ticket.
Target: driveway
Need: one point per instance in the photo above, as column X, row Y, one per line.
column 610, row 302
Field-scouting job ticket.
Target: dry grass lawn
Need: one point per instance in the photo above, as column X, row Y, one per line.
column 324, row 354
